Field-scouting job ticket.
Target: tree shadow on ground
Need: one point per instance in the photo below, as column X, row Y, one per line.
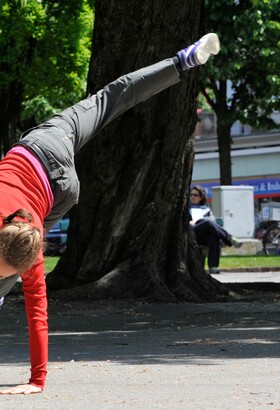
column 173, row 334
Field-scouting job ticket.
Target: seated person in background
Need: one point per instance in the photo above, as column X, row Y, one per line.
column 206, row 230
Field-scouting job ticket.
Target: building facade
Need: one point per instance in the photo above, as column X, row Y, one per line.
column 255, row 158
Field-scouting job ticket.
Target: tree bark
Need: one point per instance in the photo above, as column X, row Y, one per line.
column 10, row 106
column 129, row 236
column 224, row 144
column 224, row 123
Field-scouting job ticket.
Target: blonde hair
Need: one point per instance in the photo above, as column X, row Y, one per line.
column 20, row 240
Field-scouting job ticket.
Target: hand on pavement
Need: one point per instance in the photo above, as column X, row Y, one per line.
column 22, row 389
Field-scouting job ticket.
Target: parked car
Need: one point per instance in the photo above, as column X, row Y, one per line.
column 56, row 238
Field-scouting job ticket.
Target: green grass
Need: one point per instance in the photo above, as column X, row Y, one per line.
column 250, row 261
column 50, row 262
column 226, row 262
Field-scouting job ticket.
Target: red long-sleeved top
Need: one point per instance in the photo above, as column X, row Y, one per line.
column 21, row 187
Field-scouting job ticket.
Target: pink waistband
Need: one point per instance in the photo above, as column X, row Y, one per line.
column 40, row 171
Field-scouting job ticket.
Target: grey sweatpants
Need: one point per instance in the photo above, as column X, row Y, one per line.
column 56, row 141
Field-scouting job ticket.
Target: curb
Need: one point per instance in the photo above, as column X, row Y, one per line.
column 255, row 269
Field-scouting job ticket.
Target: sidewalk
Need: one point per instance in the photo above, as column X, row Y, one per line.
column 223, row 356
column 242, row 277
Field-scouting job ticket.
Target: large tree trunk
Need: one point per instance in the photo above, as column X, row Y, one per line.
column 10, row 106
column 219, row 104
column 224, row 123
column 129, row 234
column 224, row 144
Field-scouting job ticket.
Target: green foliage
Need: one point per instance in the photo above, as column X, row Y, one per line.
column 202, row 102
column 249, row 58
column 37, row 108
column 45, row 47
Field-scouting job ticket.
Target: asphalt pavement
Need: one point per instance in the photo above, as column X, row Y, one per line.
column 209, row 356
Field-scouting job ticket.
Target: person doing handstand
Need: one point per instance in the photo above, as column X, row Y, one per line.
column 39, row 184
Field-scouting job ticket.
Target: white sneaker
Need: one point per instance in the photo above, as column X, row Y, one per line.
column 199, row 52
column 208, row 45
column 236, row 243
